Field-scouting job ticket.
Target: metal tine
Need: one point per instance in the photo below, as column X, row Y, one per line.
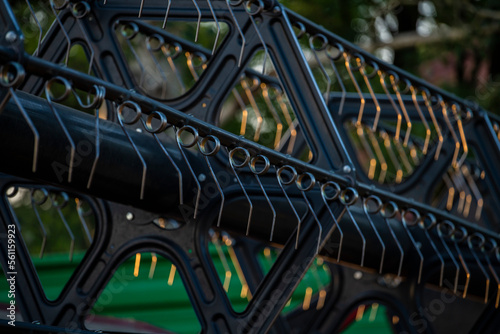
column 154, row 260
column 333, row 58
column 428, row 132
column 485, row 251
column 245, row 290
column 249, row 92
column 257, row 173
column 456, row 240
column 450, row 227
column 10, row 193
column 58, row 207
column 459, row 185
column 65, row 33
column 234, row 164
column 403, row 156
column 444, row 109
column 171, row 275
column 480, row 242
column 370, row 210
column 243, row 39
column 380, row 156
column 321, row 288
column 392, row 156
column 272, row 109
column 151, row 49
column 128, row 37
column 225, row 264
column 348, row 197
column 40, row 28
column 426, row 95
column 413, row 152
column 390, row 210
column 199, row 21
column 459, row 176
column 79, row 11
column 34, row 204
column 244, row 111
column 122, row 121
column 304, row 187
column 181, row 145
column 327, row 197
column 192, row 67
column 52, row 98
column 315, row 49
column 364, row 142
column 391, row 100
column 206, row 151
column 451, row 191
column 167, row 12
column 251, row 14
column 362, row 69
column 209, row 2
column 155, row 130
column 282, row 181
column 475, row 190
column 100, row 94
column 81, row 216
column 411, row 217
column 141, row 8
column 288, row 118
column 394, row 82
column 426, row 229
column 170, row 58
column 458, row 119
column 347, row 63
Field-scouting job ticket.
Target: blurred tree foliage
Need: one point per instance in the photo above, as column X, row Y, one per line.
column 454, row 44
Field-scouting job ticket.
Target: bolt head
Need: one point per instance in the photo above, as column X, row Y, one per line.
column 11, row 37
column 347, row 169
column 202, row 177
column 358, row 275
column 130, row 216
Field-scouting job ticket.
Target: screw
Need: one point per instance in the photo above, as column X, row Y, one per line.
column 347, row 169
column 138, row 130
column 202, row 177
column 358, row 275
column 130, row 216
column 11, row 37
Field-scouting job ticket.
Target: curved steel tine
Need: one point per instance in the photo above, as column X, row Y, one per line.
column 61, row 25
column 329, row 198
column 428, row 132
column 138, row 114
column 380, row 156
column 303, row 189
column 255, row 107
column 167, row 12
column 451, row 229
column 456, row 241
column 245, row 290
column 462, row 135
column 485, row 251
column 154, row 260
column 341, row 82
column 362, row 69
column 243, row 39
column 58, row 207
column 288, row 119
column 451, row 191
column 209, row 2
column 161, row 72
column 180, row 146
column 199, row 20
column 244, row 111
column 170, row 59
column 459, row 185
column 321, row 288
column 256, row 172
column 81, row 214
column 433, row 223
column 356, row 85
column 223, row 259
column 38, row 217
column 413, row 153
column 50, row 97
column 373, row 161
column 415, row 218
column 348, row 197
column 282, row 182
column 475, row 190
column 388, row 213
column 315, row 51
column 444, row 110
column 266, row 51
column 40, row 28
column 85, row 34
column 381, row 76
column 141, row 9
column 160, row 129
column 392, row 156
column 100, row 91
column 272, row 109
column 471, row 245
column 368, row 211
column 206, row 152
column 426, row 96
column 192, row 67
column 395, row 88
column 403, row 156
column 465, row 193
column 127, row 38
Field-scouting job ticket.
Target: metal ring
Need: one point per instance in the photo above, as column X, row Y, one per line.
column 412, row 222
column 41, row 201
column 378, row 204
column 177, row 50
column 199, row 55
column 349, row 196
column 62, row 6
column 132, row 105
column 12, row 191
column 490, row 245
column 193, row 131
column 339, row 47
column 80, row 12
column 302, row 29
column 288, row 169
column 356, row 56
column 235, row 3
column 387, row 212
column 323, row 40
column 253, row 164
column 160, row 39
column 324, row 190
column 373, row 74
column 131, row 25
column 394, row 77
column 407, row 87
column 99, row 96
column 12, row 74
column 245, row 161
column 259, row 10
column 58, row 205
column 161, row 127
column 476, row 236
column 300, row 181
column 67, row 88
column 433, row 221
column 450, row 228
column 461, row 238
column 203, row 145
column 84, row 213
